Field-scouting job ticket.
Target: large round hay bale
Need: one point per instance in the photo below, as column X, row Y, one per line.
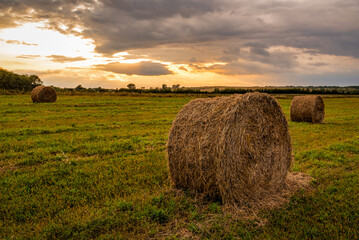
column 236, row 149
column 43, row 94
column 307, row 109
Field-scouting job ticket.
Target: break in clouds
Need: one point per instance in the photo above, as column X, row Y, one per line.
column 245, row 37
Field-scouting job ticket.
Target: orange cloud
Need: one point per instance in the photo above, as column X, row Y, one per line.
column 64, row 59
column 20, row 43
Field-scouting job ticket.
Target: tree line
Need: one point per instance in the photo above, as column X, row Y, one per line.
column 13, row 81
column 291, row 90
column 352, row 90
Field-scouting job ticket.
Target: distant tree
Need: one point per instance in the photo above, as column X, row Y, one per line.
column 131, row 86
column 13, row 81
column 79, row 88
column 175, row 86
column 100, row 89
column 164, row 86
column 35, row 80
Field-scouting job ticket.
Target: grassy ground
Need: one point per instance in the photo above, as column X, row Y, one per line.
column 95, row 167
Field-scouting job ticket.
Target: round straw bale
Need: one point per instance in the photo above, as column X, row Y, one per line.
column 307, row 109
column 43, row 94
column 236, row 149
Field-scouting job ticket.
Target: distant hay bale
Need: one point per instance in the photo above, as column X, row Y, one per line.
column 43, row 94
column 236, row 149
column 307, row 109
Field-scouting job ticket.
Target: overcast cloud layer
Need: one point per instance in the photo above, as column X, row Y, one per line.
column 141, row 68
column 243, row 36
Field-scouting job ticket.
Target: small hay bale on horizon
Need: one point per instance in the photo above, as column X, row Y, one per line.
column 235, row 149
column 307, row 109
column 42, row 94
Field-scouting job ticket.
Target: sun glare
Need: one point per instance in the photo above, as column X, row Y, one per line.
column 48, row 42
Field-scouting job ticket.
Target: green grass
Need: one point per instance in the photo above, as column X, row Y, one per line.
column 95, row 167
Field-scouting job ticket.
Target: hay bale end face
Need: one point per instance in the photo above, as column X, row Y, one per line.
column 236, row 149
column 307, row 109
column 42, row 94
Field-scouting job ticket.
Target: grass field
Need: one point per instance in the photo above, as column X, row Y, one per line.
column 95, row 167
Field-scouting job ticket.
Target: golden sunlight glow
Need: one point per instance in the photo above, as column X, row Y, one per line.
column 32, row 47
column 48, row 42
column 68, row 60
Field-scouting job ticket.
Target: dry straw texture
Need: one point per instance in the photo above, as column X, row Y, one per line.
column 43, row 94
column 307, row 109
column 235, row 149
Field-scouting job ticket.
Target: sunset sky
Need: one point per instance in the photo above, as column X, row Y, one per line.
column 111, row 43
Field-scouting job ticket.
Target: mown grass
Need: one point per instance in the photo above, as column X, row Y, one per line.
column 95, row 167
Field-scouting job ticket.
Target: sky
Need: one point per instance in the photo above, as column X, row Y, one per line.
column 111, row 43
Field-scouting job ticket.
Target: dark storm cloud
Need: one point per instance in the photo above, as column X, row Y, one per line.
column 258, row 49
column 64, row 59
column 284, row 60
column 324, row 26
column 142, row 68
column 55, row 13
